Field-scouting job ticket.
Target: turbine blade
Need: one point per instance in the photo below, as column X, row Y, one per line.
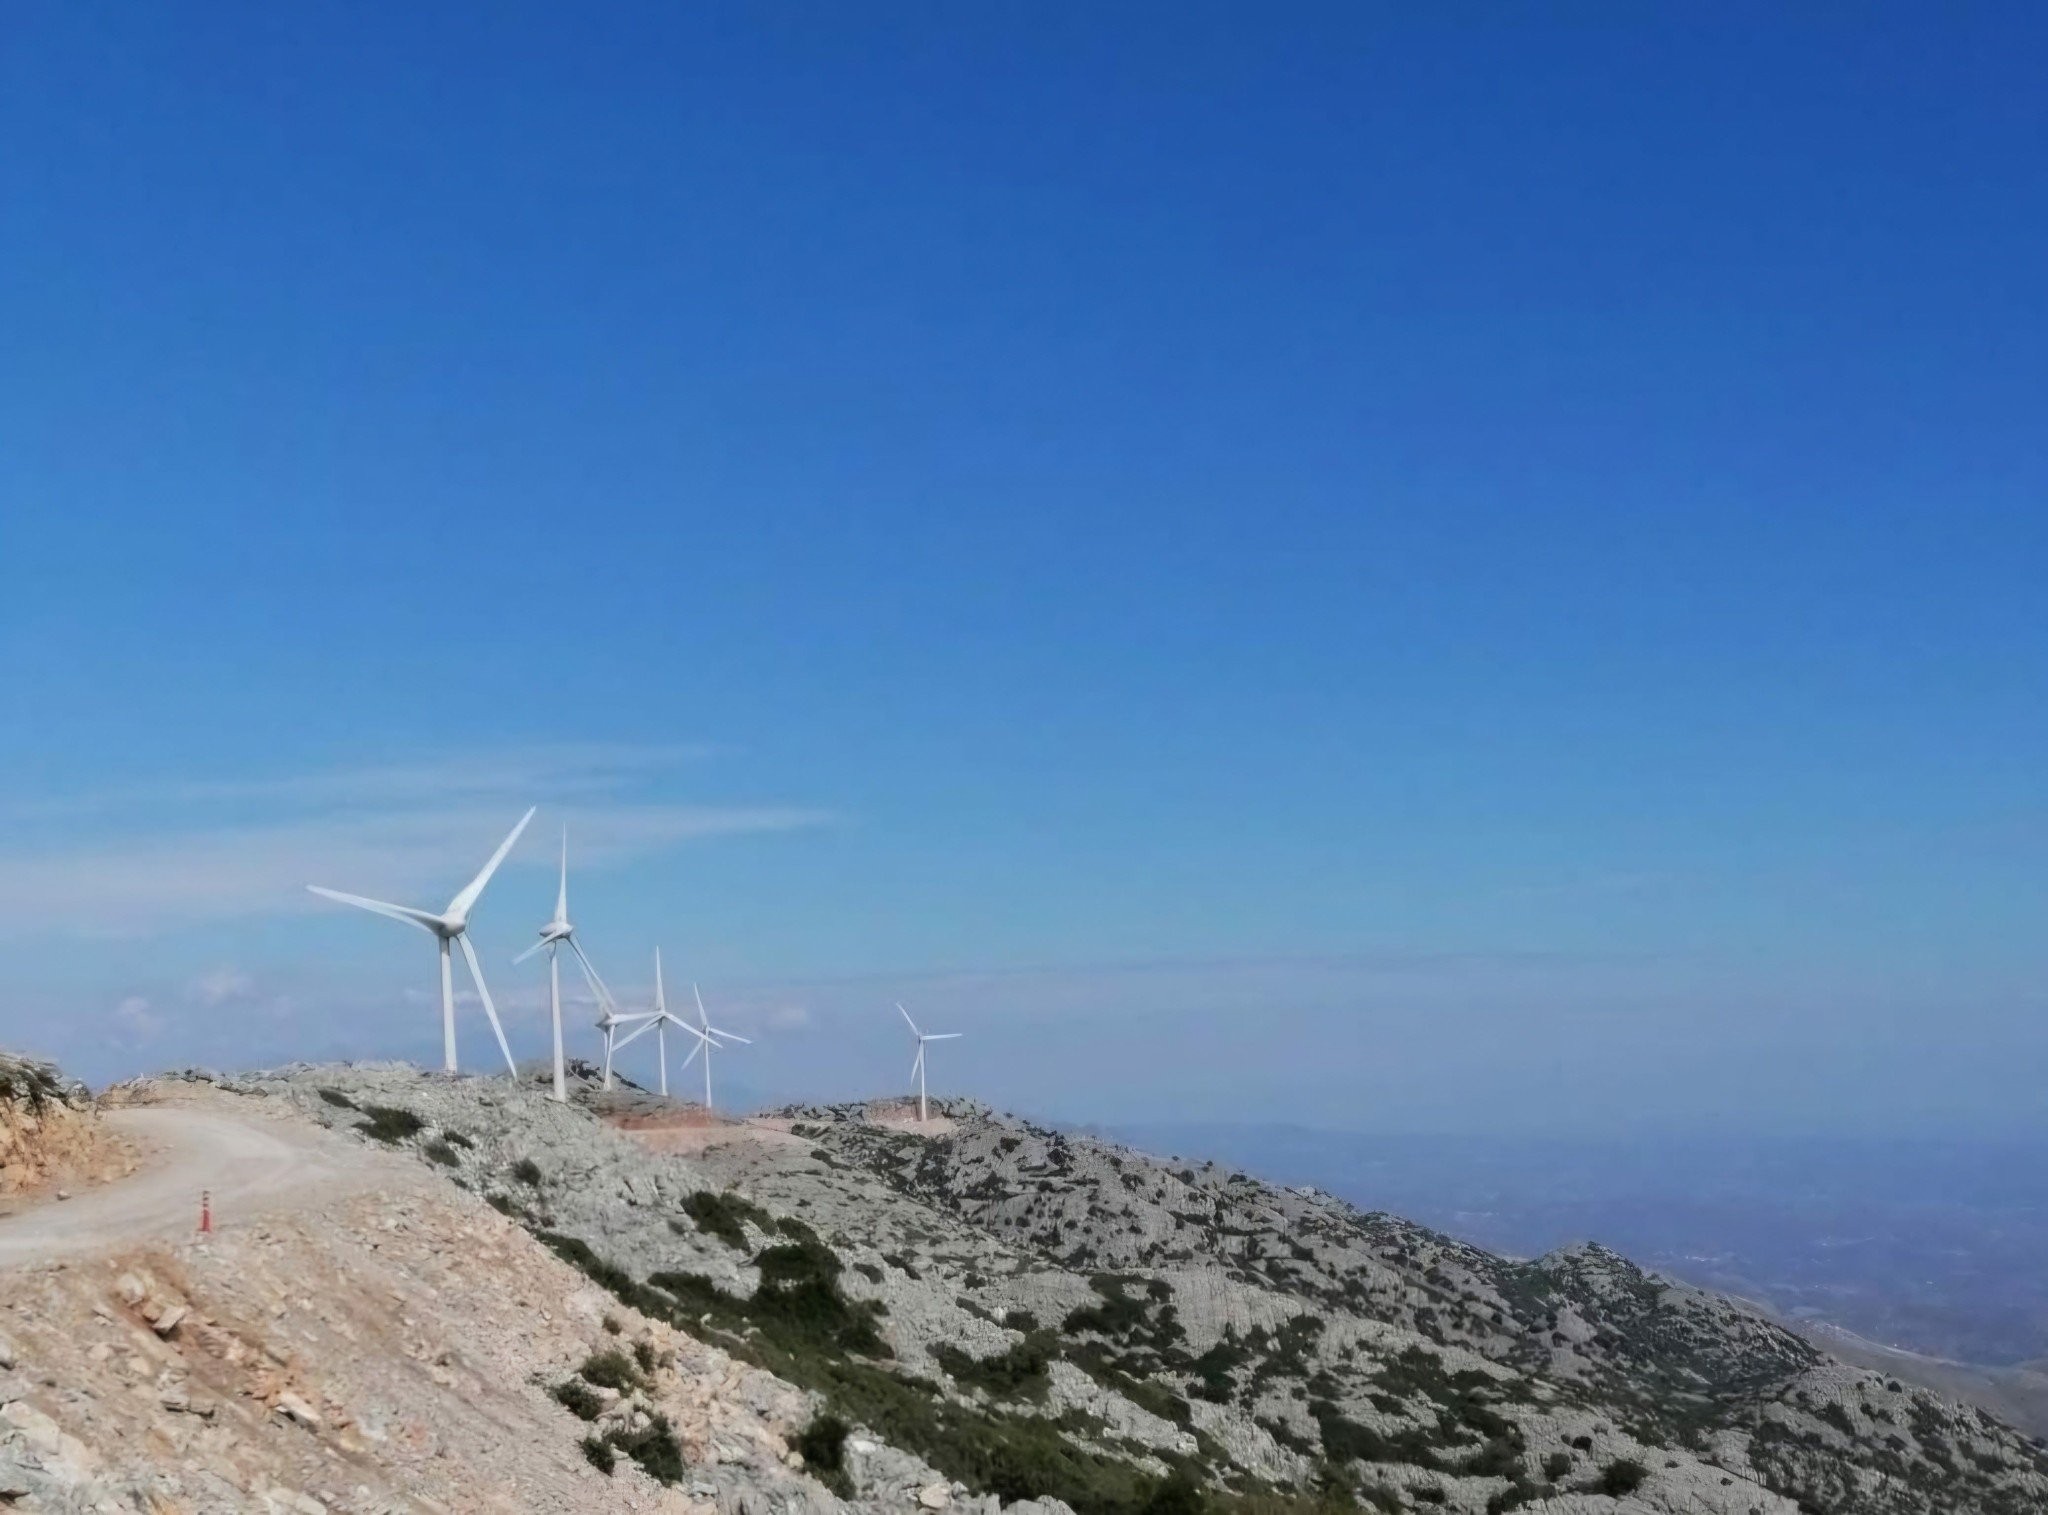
column 604, row 995
column 943, row 1036
column 645, row 1026
column 460, row 905
column 660, row 996
column 529, row 952
column 424, row 919
column 476, row 973
column 695, row 1047
column 918, row 1061
column 562, row 898
column 907, row 1020
column 731, row 1036
column 699, row 996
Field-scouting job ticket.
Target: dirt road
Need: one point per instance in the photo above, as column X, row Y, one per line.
column 248, row 1163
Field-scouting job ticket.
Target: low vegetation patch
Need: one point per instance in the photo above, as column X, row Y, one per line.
column 613, row 1369
column 389, row 1124
column 1023, row 1371
column 1622, row 1476
column 574, row 1395
column 722, row 1216
column 654, row 1446
column 822, row 1445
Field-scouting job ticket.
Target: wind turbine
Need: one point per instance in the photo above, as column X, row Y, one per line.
column 609, row 1022
column 707, row 1039
column 451, row 926
column 658, row 1020
column 917, row 1067
column 554, row 936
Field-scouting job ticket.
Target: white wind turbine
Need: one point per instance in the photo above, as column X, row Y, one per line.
column 642, row 1021
column 451, row 926
column 657, row 1020
column 708, row 1039
column 554, row 936
column 917, row 1067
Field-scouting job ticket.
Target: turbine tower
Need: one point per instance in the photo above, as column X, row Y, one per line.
column 707, row 1041
column 554, row 936
column 642, row 1021
column 451, row 926
column 662, row 1021
column 917, row 1067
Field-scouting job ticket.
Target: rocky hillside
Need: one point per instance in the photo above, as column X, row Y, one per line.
column 980, row 1312
column 48, row 1136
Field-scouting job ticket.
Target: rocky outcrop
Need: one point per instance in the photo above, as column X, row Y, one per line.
column 48, row 1132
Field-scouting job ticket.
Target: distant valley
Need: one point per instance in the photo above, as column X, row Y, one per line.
column 1935, row 1247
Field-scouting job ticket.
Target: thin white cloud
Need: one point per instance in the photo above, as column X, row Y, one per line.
column 135, row 1016
column 560, row 770
column 220, row 986
column 413, row 834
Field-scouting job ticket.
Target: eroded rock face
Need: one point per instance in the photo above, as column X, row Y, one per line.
column 47, row 1128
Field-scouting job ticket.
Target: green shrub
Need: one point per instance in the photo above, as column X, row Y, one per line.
column 1022, row 1371
column 822, row 1445
column 440, row 1152
column 1556, row 1465
column 799, row 1290
column 721, row 1215
column 795, row 1229
column 1345, row 1440
column 645, row 1355
column 612, row 1369
column 1175, row 1494
column 457, row 1139
column 654, row 1447
column 389, row 1125
column 527, row 1171
column 1622, row 1476
column 598, row 1452
column 337, row 1099
column 1213, row 1371
column 575, row 1397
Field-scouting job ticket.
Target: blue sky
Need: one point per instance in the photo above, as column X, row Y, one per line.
column 1412, row 568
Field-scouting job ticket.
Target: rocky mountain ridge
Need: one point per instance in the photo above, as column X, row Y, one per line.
column 1037, row 1315
column 980, row 1312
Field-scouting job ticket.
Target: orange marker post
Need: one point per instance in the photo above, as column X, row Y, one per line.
column 205, row 1212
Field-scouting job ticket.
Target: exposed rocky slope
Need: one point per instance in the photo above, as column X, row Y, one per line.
column 48, row 1136
column 381, row 1344
column 1001, row 1312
